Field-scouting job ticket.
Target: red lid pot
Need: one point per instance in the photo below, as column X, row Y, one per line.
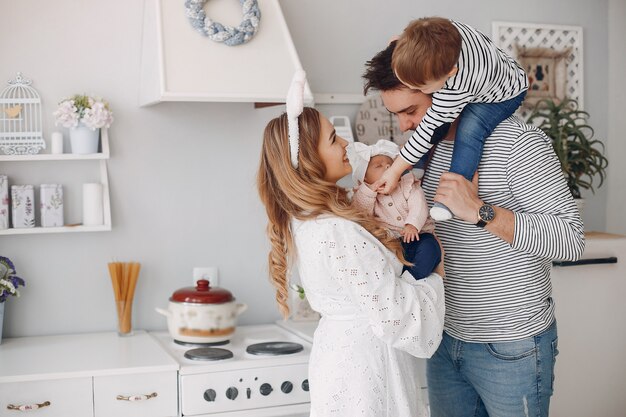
column 202, row 294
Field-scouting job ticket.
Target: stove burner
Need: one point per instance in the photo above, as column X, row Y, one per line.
column 274, row 348
column 179, row 342
column 208, row 354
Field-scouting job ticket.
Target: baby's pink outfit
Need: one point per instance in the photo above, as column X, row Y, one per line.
column 405, row 205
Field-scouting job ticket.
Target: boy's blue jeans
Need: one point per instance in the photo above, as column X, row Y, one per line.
column 477, row 121
column 505, row 379
column 424, row 254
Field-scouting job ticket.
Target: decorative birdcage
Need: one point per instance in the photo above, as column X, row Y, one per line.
column 20, row 118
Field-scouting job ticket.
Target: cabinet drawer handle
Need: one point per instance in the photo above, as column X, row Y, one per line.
column 28, row 407
column 136, row 397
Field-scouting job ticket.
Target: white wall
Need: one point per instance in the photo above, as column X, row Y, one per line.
column 616, row 184
column 182, row 174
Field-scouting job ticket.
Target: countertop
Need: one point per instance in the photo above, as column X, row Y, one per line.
column 79, row 355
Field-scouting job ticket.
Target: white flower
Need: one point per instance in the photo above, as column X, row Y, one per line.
column 67, row 114
column 92, row 112
column 8, row 285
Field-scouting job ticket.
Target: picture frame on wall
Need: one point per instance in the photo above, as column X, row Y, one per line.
column 534, row 46
column 546, row 70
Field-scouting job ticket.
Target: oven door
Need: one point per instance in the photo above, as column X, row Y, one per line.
column 294, row 410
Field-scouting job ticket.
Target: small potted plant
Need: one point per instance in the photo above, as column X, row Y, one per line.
column 581, row 155
column 8, row 285
column 300, row 308
column 84, row 116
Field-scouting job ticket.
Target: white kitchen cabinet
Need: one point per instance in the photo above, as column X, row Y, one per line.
column 101, row 157
column 83, row 375
column 63, row 397
column 591, row 315
column 179, row 64
column 137, row 395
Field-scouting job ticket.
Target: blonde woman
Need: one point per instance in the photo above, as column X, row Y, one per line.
column 375, row 322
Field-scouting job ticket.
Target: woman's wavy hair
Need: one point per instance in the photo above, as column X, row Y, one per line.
column 301, row 193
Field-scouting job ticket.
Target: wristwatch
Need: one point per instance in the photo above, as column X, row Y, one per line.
column 486, row 214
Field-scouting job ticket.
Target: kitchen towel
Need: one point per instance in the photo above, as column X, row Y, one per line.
column 92, row 204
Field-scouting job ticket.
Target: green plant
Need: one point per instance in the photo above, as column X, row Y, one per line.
column 581, row 155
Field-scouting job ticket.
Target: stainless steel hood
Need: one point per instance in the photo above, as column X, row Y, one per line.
column 179, row 64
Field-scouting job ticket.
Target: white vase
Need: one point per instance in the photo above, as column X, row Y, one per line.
column 84, row 140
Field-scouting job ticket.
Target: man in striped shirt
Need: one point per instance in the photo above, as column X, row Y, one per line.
column 517, row 215
column 468, row 75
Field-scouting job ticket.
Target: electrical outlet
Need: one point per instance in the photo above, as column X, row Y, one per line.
column 210, row 273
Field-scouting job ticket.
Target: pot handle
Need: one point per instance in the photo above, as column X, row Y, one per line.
column 241, row 308
column 166, row 313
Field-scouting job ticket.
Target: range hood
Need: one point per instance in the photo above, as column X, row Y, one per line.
column 179, row 64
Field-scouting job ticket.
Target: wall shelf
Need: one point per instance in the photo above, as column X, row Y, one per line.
column 101, row 157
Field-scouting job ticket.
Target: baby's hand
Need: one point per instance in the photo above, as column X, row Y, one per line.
column 410, row 233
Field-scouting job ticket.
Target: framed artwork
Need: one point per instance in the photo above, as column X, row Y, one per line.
column 546, row 69
column 552, row 55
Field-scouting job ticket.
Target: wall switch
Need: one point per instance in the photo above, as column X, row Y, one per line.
column 210, row 273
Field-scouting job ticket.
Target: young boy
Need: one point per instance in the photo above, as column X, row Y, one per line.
column 467, row 75
column 404, row 212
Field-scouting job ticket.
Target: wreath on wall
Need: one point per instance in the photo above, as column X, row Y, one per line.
column 231, row 36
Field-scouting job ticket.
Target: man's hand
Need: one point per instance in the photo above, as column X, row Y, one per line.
column 410, row 233
column 460, row 196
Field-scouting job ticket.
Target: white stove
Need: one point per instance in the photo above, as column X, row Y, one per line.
column 245, row 384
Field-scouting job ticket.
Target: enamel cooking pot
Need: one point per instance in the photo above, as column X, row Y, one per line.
column 202, row 314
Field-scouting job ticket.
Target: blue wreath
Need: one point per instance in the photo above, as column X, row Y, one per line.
column 231, row 36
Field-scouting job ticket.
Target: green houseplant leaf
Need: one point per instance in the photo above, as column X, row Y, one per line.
column 581, row 155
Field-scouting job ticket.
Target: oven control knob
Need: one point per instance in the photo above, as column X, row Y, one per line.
column 231, row 393
column 209, row 395
column 305, row 385
column 286, row 387
column 266, row 389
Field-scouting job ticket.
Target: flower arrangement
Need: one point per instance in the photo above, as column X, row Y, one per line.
column 92, row 112
column 8, row 280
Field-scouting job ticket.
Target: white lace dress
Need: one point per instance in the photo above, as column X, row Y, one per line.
column 374, row 321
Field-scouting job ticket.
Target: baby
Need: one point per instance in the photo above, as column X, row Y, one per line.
column 404, row 212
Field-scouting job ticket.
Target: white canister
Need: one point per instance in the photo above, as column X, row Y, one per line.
column 93, row 214
column 23, row 205
column 51, row 204
column 4, row 202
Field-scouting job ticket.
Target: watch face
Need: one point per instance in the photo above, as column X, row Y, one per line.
column 486, row 213
column 374, row 122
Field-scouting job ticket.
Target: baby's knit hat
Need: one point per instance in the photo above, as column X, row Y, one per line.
column 359, row 155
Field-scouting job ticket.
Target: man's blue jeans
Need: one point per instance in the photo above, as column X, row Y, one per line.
column 507, row 379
